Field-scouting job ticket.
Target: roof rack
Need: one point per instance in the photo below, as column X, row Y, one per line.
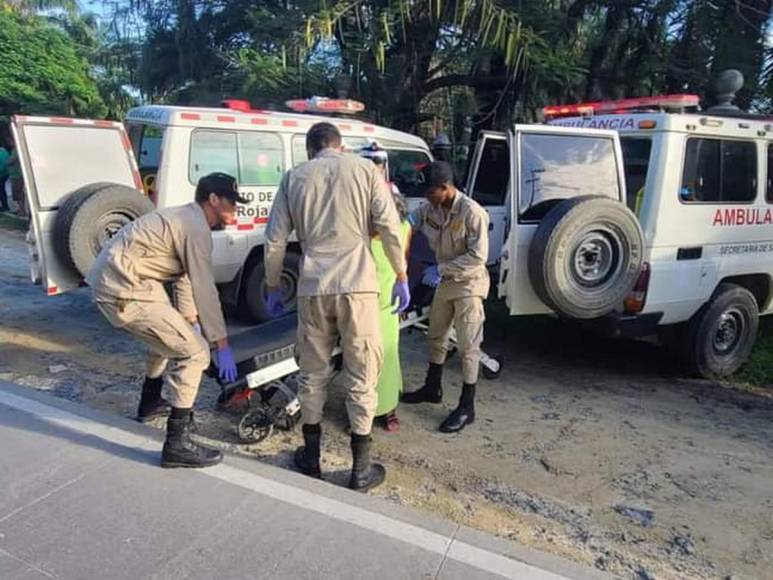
column 738, row 114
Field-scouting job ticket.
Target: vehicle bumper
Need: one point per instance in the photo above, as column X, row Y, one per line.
column 620, row 325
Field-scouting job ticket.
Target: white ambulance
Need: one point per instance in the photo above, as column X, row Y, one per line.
column 86, row 179
column 688, row 255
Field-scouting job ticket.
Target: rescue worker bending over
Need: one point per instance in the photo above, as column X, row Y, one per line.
column 333, row 202
column 457, row 231
column 174, row 246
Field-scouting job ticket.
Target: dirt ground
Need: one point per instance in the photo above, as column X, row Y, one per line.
column 596, row 450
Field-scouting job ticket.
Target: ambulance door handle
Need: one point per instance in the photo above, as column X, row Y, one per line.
column 689, row 253
column 490, row 226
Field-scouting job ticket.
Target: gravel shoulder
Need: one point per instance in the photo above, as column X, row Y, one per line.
column 588, row 448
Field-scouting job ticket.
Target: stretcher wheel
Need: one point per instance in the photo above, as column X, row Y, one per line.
column 490, row 373
column 255, row 426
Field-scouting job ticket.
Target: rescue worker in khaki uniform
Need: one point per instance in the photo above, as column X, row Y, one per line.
column 334, row 202
column 171, row 246
column 457, row 230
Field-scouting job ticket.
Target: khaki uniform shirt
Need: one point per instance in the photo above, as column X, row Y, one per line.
column 459, row 238
column 172, row 245
column 333, row 203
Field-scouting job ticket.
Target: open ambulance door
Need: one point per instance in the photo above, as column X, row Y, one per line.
column 585, row 266
column 82, row 185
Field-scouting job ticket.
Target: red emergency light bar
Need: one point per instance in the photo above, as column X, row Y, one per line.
column 325, row 105
column 664, row 102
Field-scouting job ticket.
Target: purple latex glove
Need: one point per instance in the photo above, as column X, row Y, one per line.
column 226, row 364
column 431, row 276
column 274, row 302
column 402, row 295
column 197, row 328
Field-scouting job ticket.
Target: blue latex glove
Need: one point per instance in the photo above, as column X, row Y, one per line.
column 274, row 301
column 226, row 365
column 431, row 277
column 402, row 295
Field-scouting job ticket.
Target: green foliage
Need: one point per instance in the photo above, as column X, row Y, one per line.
column 42, row 72
column 436, row 65
column 30, row 7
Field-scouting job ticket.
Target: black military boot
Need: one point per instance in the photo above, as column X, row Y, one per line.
column 152, row 404
column 179, row 450
column 365, row 475
column 464, row 414
column 431, row 392
column 307, row 456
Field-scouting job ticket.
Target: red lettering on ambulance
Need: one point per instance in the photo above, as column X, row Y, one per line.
column 717, row 218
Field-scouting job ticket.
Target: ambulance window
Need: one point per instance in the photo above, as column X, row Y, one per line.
column 557, row 167
column 405, row 171
column 299, row 150
column 719, row 171
column 769, row 192
column 493, row 175
column 636, row 160
column 260, row 158
column 212, row 151
column 351, row 145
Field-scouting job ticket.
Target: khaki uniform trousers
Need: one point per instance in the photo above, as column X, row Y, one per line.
column 169, row 339
column 321, row 321
column 466, row 314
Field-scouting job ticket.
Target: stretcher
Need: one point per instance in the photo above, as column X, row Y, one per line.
column 265, row 393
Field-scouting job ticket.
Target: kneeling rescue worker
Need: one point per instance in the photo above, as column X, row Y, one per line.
column 333, row 202
column 457, row 231
column 171, row 246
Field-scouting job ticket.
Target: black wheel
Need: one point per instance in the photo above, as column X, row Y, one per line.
column 255, row 426
column 586, row 256
column 90, row 217
column 721, row 335
column 491, row 374
column 253, row 304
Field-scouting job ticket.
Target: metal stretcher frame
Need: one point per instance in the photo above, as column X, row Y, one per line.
column 264, row 373
column 277, row 360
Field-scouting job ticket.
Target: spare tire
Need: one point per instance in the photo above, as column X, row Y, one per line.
column 586, row 256
column 90, row 216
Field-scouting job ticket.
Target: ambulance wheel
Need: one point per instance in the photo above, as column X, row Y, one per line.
column 253, row 302
column 585, row 256
column 90, row 217
column 720, row 336
column 489, row 373
column 255, row 426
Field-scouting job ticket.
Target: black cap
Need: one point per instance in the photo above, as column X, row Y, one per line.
column 222, row 185
column 437, row 174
